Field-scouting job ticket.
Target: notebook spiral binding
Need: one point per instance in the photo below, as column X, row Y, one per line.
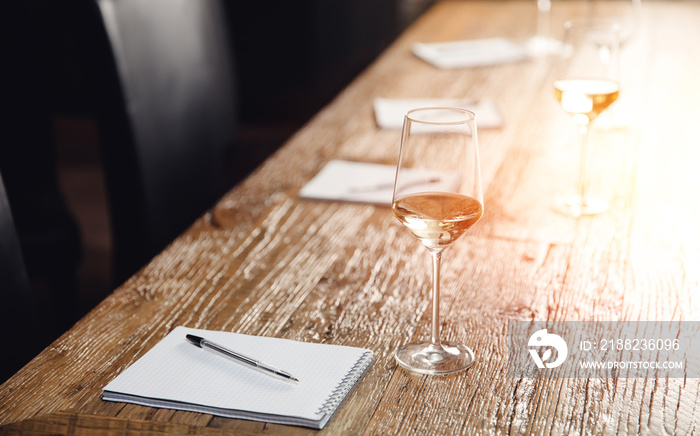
column 347, row 384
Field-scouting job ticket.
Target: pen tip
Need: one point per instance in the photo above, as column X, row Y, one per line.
column 196, row 340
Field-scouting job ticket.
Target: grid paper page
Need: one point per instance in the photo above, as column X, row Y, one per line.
column 176, row 370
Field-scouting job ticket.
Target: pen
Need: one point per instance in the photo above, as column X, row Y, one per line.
column 390, row 185
column 240, row 358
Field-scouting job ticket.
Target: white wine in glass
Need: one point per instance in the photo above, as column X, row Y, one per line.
column 586, row 84
column 437, row 197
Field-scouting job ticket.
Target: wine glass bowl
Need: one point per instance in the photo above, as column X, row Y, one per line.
column 586, row 83
column 585, row 99
column 437, row 197
column 437, row 219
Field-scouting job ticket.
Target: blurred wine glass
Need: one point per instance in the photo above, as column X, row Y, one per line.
column 543, row 44
column 586, row 83
column 627, row 15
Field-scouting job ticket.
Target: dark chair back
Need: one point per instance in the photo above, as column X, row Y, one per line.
column 18, row 316
column 167, row 130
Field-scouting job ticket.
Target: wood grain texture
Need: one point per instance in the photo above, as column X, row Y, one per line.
column 79, row 424
column 265, row 262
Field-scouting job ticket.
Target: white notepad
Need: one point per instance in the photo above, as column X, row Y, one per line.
column 175, row 374
column 470, row 53
column 389, row 112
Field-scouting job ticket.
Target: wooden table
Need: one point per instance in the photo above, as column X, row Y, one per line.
column 265, row 262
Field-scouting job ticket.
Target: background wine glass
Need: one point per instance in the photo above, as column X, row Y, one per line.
column 628, row 16
column 438, row 197
column 625, row 13
column 586, row 83
column 543, row 44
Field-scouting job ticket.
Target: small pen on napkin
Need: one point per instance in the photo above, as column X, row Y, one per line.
column 383, row 186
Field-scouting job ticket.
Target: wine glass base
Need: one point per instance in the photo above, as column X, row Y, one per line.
column 543, row 46
column 572, row 205
column 424, row 357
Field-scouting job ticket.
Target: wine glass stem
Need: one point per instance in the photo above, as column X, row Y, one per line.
column 583, row 129
column 435, row 330
column 543, row 8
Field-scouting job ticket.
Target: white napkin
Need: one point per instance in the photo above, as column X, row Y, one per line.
column 389, row 112
column 470, row 53
column 362, row 182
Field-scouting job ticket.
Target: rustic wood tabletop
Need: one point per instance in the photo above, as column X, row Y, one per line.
column 265, row 262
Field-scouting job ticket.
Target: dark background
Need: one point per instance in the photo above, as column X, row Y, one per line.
column 290, row 59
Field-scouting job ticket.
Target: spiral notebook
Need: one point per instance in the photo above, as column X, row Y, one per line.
column 175, row 374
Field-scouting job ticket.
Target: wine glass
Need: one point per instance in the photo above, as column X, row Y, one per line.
column 437, row 197
column 628, row 16
column 542, row 44
column 626, row 13
column 586, row 83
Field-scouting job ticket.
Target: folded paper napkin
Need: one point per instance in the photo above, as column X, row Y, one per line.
column 362, row 182
column 389, row 112
column 470, row 53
